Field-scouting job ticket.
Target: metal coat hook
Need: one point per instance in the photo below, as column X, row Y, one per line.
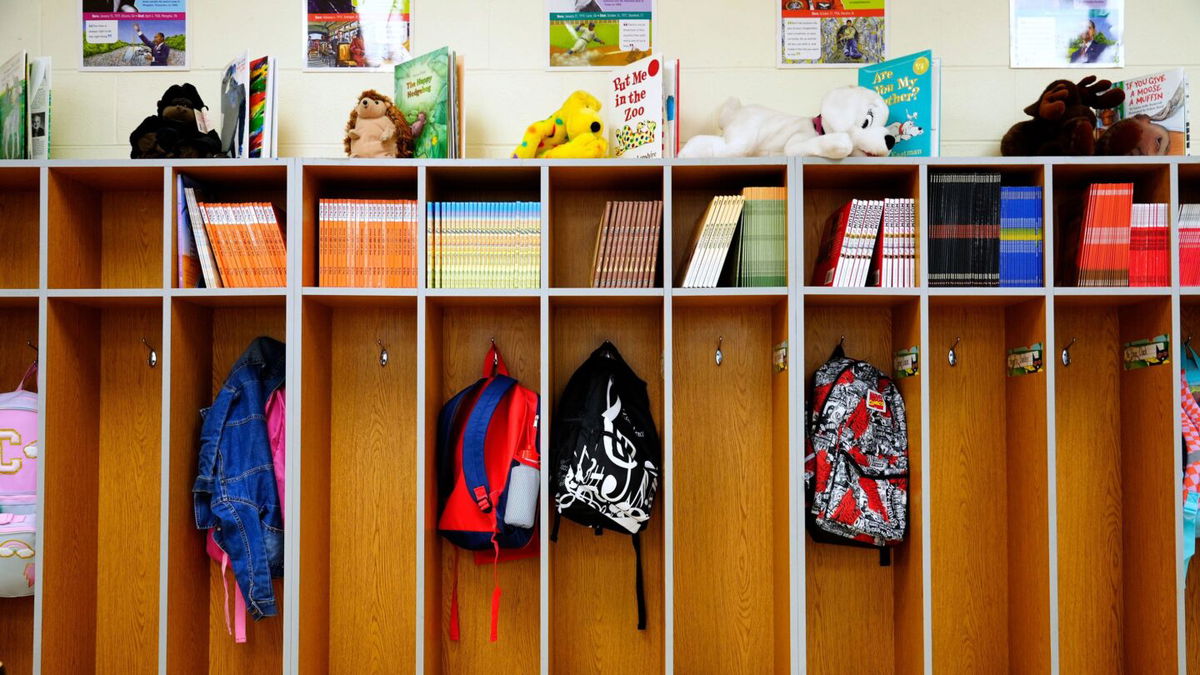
column 152, row 359
column 29, row 343
column 842, row 342
column 719, row 357
column 495, row 354
column 383, row 353
column 1186, row 343
column 952, row 357
column 1066, row 352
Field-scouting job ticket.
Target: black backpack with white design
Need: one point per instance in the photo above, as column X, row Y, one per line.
column 605, row 453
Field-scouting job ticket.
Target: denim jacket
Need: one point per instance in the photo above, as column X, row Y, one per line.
column 235, row 490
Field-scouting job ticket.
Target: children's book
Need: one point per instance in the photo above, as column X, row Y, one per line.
column 235, row 107
column 643, row 108
column 427, row 92
column 1163, row 98
column 13, row 108
column 911, row 88
column 38, row 98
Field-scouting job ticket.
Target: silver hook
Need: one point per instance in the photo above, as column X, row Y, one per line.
column 1066, row 352
column 719, row 357
column 152, row 359
column 1186, row 343
column 952, row 357
column 842, row 342
column 383, row 353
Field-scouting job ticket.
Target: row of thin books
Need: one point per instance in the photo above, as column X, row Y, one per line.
column 483, row 244
column 869, row 242
column 741, row 240
column 984, row 234
column 1122, row 243
column 1189, row 245
column 627, row 245
column 237, row 245
column 367, row 243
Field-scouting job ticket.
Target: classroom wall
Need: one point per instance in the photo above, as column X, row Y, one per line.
column 727, row 48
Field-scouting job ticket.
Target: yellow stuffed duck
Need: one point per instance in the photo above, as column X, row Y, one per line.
column 576, row 130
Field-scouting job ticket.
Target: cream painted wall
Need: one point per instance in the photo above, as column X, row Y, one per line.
column 726, row 48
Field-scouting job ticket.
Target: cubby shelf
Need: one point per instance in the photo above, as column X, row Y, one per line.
column 1043, row 508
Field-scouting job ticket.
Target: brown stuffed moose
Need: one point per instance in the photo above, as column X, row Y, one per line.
column 1064, row 122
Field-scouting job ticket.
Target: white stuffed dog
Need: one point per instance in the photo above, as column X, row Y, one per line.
column 853, row 122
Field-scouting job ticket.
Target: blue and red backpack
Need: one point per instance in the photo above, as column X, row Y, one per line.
column 488, row 473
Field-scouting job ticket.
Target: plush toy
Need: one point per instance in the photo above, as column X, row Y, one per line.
column 377, row 128
column 576, row 130
column 1137, row 135
column 174, row 132
column 853, row 122
column 1064, row 122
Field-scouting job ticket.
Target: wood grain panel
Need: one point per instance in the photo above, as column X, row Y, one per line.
column 19, row 231
column 16, row 635
column 968, row 501
column 74, row 238
column 597, row 632
column 1090, row 490
column 1029, row 533
column 435, row 624
column 908, row 576
column 466, row 330
column 1149, row 469
column 71, row 465
column 781, row 484
column 316, row 438
column 18, row 325
column 131, row 243
column 575, row 214
column 372, row 544
column 128, row 507
column 723, row 433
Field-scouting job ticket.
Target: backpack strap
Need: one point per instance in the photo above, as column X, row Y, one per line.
column 640, row 586
column 32, row 370
column 473, row 464
column 493, row 363
column 1190, row 507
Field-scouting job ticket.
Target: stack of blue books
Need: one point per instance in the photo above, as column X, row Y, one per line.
column 1021, row 237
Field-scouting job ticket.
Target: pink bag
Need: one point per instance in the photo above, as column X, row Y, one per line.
column 19, row 448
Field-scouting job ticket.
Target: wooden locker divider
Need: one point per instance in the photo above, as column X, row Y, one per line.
column 577, row 199
column 731, row 552
column 101, row 519
column 208, row 335
column 105, row 226
column 458, row 331
column 358, row 586
column 990, row 561
column 19, row 227
column 593, row 613
column 1116, row 519
column 847, row 588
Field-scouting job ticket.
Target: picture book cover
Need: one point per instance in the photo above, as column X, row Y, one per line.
column 1163, row 99
column 637, row 107
column 13, row 108
column 423, row 94
column 261, row 76
column 235, row 107
column 38, row 101
column 910, row 86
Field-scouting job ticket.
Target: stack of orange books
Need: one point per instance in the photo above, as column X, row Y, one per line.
column 368, row 243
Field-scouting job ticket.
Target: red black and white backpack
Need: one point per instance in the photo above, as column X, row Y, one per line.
column 856, row 464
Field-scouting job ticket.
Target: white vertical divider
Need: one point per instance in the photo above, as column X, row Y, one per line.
column 543, row 426
column 165, row 363
column 796, row 420
column 293, row 469
column 667, row 502
column 419, row 455
column 925, row 358
column 1051, row 355
column 1177, row 407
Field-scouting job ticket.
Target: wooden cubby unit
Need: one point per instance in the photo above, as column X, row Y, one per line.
column 346, row 180
column 102, row 471
column 1117, row 466
column 731, row 466
column 1151, row 184
column 458, row 331
column 847, row 590
column 105, row 226
column 577, row 198
column 828, row 187
column 988, row 476
column 208, row 335
column 358, row 585
column 581, row 563
column 19, row 216
column 692, row 188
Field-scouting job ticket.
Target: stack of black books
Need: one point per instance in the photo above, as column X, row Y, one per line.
column 964, row 231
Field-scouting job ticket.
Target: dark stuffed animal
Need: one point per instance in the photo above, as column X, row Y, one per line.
column 173, row 133
column 1064, row 122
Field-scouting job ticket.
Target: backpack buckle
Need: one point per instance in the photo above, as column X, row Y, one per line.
column 482, row 500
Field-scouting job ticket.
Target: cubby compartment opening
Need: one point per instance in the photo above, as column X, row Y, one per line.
column 595, row 631
column 207, row 338
column 347, row 181
column 693, row 187
column 578, row 198
column 359, row 508
column 458, row 333
column 102, row 476
column 1118, row 490
column 105, row 227
column 731, row 486
column 19, row 316
column 847, row 590
column 1151, row 184
column 458, row 183
column 229, row 184
column 19, row 227
column 988, row 477
column 1189, row 184
column 829, row 187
